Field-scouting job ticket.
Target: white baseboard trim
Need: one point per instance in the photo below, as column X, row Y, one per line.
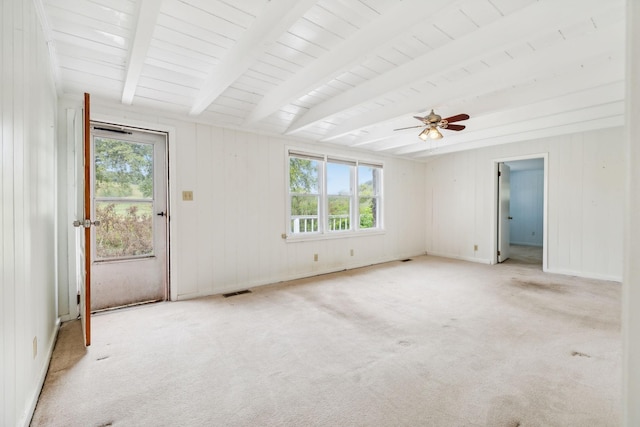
column 536, row 245
column 461, row 258
column 294, row 276
column 28, row 415
column 586, row 275
column 68, row 318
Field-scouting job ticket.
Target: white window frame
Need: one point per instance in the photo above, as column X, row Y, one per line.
column 324, row 231
column 352, row 193
column 321, row 207
column 378, row 196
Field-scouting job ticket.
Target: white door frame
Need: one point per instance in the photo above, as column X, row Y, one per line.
column 545, row 204
column 172, row 276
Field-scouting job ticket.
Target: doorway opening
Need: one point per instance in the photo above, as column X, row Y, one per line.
column 521, row 210
column 129, row 192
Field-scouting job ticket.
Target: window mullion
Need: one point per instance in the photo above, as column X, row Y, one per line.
column 323, row 199
column 354, row 197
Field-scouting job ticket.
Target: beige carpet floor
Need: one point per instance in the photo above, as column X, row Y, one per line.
column 430, row 342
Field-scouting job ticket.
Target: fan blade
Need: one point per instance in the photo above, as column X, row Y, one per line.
column 457, row 118
column 410, row 127
column 419, row 118
column 455, row 127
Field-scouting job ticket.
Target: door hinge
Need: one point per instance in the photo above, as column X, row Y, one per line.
column 87, row 223
column 498, row 253
column 499, row 173
column 78, row 299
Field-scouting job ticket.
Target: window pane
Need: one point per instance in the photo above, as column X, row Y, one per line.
column 339, row 213
column 338, row 179
column 368, row 212
column 123, row 169
column 125, row 229
column 303, row 175
column 369, row 180
column 304, row 214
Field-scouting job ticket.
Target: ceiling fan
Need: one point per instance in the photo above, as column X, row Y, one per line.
column 433, row 121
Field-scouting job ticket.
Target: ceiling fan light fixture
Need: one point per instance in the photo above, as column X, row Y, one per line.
column 433, row 121
column 434, row 133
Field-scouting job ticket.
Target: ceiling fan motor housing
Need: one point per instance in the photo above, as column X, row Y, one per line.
column 433, row 118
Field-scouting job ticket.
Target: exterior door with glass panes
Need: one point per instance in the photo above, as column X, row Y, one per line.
column 129, row 192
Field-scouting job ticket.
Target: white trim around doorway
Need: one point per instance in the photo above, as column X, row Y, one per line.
column 494, row 209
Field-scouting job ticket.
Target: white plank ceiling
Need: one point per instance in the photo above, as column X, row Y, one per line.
column 349, row 72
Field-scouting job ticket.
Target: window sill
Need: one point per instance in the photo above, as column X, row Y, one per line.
column 295, row 238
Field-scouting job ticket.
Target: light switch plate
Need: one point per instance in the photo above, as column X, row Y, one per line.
column 187, row 196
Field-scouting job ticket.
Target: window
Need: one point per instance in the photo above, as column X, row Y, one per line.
column 339, row 195
column 329, row 196
column 304, row 193
column 369, row 186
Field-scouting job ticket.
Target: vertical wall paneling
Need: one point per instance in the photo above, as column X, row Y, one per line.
column 229, row 201
column 28, row 294
column 256, row 169
column 573, row 206
column 275, row 178
column 216, row 190
column 205, row 204
column 261, row 163
column 585, row 175
column 25, row 200
column 63, row 229
column 185, row 217
column 68, row 129
column 9, row 317
column 245, row 219
column 229, row 236
column 631, row 283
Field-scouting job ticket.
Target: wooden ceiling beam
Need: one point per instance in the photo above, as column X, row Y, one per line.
column 582, row 89
column 506, row 135
column 276, row 18
column 520, row 26
column 147, row 17
column 349, row 53
column 539, row 65
column 597, row 104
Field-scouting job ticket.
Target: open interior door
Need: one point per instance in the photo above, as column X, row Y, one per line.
column 504, row 215
column 82, row 212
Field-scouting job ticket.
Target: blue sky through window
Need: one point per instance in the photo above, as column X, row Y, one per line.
column 338, row 178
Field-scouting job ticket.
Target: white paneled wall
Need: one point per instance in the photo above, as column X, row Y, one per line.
column 527, row 204
column 631, row 283
column 229, row 237
column 585, row 202
column 28, row 317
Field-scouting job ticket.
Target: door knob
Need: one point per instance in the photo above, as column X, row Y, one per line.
column 161, row 214
column 509, row 217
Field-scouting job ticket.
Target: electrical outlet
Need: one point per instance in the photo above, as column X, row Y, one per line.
column 35, row 346
column 315, row 257
column 187, row 196
column 475, row 248
column 351, row 252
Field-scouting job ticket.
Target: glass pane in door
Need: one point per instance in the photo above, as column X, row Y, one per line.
column 123, row 198
column 125, row 230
